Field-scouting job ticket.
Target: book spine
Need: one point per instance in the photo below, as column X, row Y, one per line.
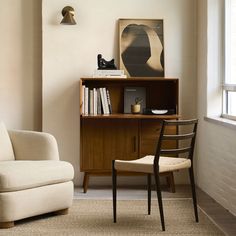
column 109, row 72
column 99, row 108
column 110, row 76
column 95, row 101
column 82, row 99
column 86, row 101
column 91, row 109
column 109, row 101
column 105, row 101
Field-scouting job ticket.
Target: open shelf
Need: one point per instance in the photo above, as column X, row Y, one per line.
column 129, row 116
column 161, row 93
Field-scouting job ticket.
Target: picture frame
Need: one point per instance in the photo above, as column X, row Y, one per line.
column 141, row 47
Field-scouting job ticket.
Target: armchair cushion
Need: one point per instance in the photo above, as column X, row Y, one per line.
column 20, row 175
column 6, row 150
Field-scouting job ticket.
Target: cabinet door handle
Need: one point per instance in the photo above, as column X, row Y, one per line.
column 134, row 143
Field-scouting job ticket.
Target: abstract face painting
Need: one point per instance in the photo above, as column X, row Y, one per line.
column 141, row 47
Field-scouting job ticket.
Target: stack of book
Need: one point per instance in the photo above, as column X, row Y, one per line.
column 95, row 101
column 109, row 74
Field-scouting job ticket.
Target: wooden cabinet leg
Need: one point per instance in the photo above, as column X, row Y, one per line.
column 171, row 182
column 62, row 212
column 5, row 225
column 86, row 181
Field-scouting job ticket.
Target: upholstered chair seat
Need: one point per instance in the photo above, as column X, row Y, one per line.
column 145, row 164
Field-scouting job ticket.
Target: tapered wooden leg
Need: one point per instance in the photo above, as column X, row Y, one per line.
column 114, row 189
column 191, row 175
column 149, row 193
column 62, row 212
column 6, row 225
column 85, row 182
column 171, row 182
column 158, row 189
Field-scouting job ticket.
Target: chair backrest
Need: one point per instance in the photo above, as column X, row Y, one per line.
column 6, row 150
column 188, row 136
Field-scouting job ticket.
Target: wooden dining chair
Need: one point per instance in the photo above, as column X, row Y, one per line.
column 165, row 160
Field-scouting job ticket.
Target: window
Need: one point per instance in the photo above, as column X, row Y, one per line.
column 229, row 84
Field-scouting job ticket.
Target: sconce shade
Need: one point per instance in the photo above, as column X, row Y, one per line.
column 68, row 16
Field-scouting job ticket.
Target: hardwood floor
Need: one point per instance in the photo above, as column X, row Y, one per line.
column 220, row 216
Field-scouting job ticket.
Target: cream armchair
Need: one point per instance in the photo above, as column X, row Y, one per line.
column 32, row 179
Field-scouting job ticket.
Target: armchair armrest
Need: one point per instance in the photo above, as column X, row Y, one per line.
column 32, row 145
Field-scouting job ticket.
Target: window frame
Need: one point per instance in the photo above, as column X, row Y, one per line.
column 227, row 87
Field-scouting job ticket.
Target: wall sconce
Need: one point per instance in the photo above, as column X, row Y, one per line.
column 68, row 16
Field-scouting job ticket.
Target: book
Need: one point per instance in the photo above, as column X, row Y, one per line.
column 99, row 105
column 131, row 95
column 91, row 108
column 108, row 72
column 110, row 76
column 95, row 101
column 86, row 98
column 105, row 101
column 109, row 101
column 82, row 97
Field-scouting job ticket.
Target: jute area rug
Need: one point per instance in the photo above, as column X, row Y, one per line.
column 94, row 217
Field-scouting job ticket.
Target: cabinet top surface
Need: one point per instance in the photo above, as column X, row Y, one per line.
column 129, row 79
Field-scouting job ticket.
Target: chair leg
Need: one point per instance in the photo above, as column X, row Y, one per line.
column 171, row 182
column 149, row 192
column 158, row 189
column 191, row 175
column 114, row 189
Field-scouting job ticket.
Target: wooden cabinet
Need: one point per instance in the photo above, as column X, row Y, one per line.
column 105, row 140
column 149, row 133
column 119, row 135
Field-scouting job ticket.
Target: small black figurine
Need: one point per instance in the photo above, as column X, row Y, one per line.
column 105, row 65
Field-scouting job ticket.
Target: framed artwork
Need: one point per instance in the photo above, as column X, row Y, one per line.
column 141, row 47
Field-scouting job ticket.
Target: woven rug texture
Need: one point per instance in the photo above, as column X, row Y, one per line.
column 94, row 217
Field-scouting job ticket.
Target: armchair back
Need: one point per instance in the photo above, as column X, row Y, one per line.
column 6, row 150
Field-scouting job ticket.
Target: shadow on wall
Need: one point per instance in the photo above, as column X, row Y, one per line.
column 32, row 64
column 64, row 105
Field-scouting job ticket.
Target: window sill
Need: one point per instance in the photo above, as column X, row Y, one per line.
column 221, row 121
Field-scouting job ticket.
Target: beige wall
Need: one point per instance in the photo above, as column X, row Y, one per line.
column 69, row 53
column 20, row 64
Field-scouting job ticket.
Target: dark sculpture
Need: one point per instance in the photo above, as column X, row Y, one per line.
column 105, row 65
